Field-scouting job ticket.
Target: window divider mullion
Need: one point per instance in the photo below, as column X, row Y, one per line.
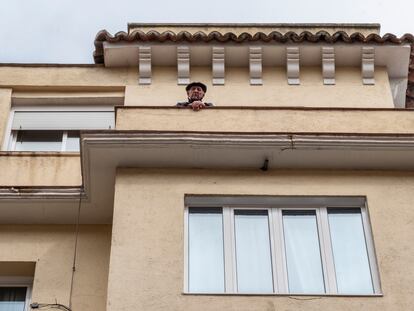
column 273, row 250
column 186, row 250
column 64, row 140
column 326, row 251
column 280, row 255
column 229, row 250
column 376, row 283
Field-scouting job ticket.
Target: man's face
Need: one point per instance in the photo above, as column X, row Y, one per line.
column 195, row 93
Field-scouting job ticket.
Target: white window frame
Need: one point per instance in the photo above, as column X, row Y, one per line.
column 10, row 136
column 14, row 134
column 19, row 281
column 275, row 207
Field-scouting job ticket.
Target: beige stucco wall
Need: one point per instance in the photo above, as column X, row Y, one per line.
column 52, row 249
column 35, row 169
column 164, row 91
column 66, row 77
column 275, row 91
column 5, row 104
column 146, row 271
column 266, row 120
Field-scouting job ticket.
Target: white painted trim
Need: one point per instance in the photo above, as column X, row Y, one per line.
column 183, row 65
column 186, row 251
column 326, row 251
column 145, row 64
column 218, row 65
column 398, row 90
column 280, row 255
column 13, row 140
column 328, row 65
column 7, row 131
column 229, row 250
column 293, row 65
column 368, row 65
column 391, row 56
column 64, row 141
column 30, row 193
column 19, row 281
column 276, row 274
column 372, row 258
column 28, row 298
column 255, row 65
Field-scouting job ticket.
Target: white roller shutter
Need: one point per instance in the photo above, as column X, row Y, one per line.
column 63, row 120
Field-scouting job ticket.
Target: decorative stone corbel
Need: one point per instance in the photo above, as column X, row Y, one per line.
column 183, row 65
column 292, row 63
column 328, row 65
column 368, row 65
column 255, row 64
column 218, row 65
column 144, row 65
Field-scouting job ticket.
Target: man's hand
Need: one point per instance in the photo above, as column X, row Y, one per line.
column 197, row 105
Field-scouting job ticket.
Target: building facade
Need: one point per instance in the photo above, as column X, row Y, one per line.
column 294, row 192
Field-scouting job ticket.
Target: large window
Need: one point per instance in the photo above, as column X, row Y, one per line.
column 286, row 245
column 54, row 128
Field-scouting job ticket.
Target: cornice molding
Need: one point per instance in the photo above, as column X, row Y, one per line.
column 284, row 140
column 215, row 36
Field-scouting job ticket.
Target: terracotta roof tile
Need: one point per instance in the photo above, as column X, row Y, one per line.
column 409, row 103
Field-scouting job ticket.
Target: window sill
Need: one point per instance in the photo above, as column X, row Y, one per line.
column 298, row 296
column 40, row 153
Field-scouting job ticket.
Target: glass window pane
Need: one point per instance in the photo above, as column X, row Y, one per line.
column 72, row 142
column 254, row 265
column 353, row 275
column 39, row 141
column 205, row 251
column 303, row 256
column 12, row 298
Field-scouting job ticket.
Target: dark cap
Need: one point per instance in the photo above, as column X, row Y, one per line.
column 202, row 85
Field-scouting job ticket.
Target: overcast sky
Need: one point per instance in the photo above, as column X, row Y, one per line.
column 63, row 31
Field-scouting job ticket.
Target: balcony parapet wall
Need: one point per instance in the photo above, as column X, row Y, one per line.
column 266, row 120
column 39, row 169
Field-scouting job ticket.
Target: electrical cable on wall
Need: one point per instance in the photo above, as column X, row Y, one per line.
column 75, row 250
column 36, row 305
column 59, row 306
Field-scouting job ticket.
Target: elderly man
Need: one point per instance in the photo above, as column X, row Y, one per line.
column 195, row 94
